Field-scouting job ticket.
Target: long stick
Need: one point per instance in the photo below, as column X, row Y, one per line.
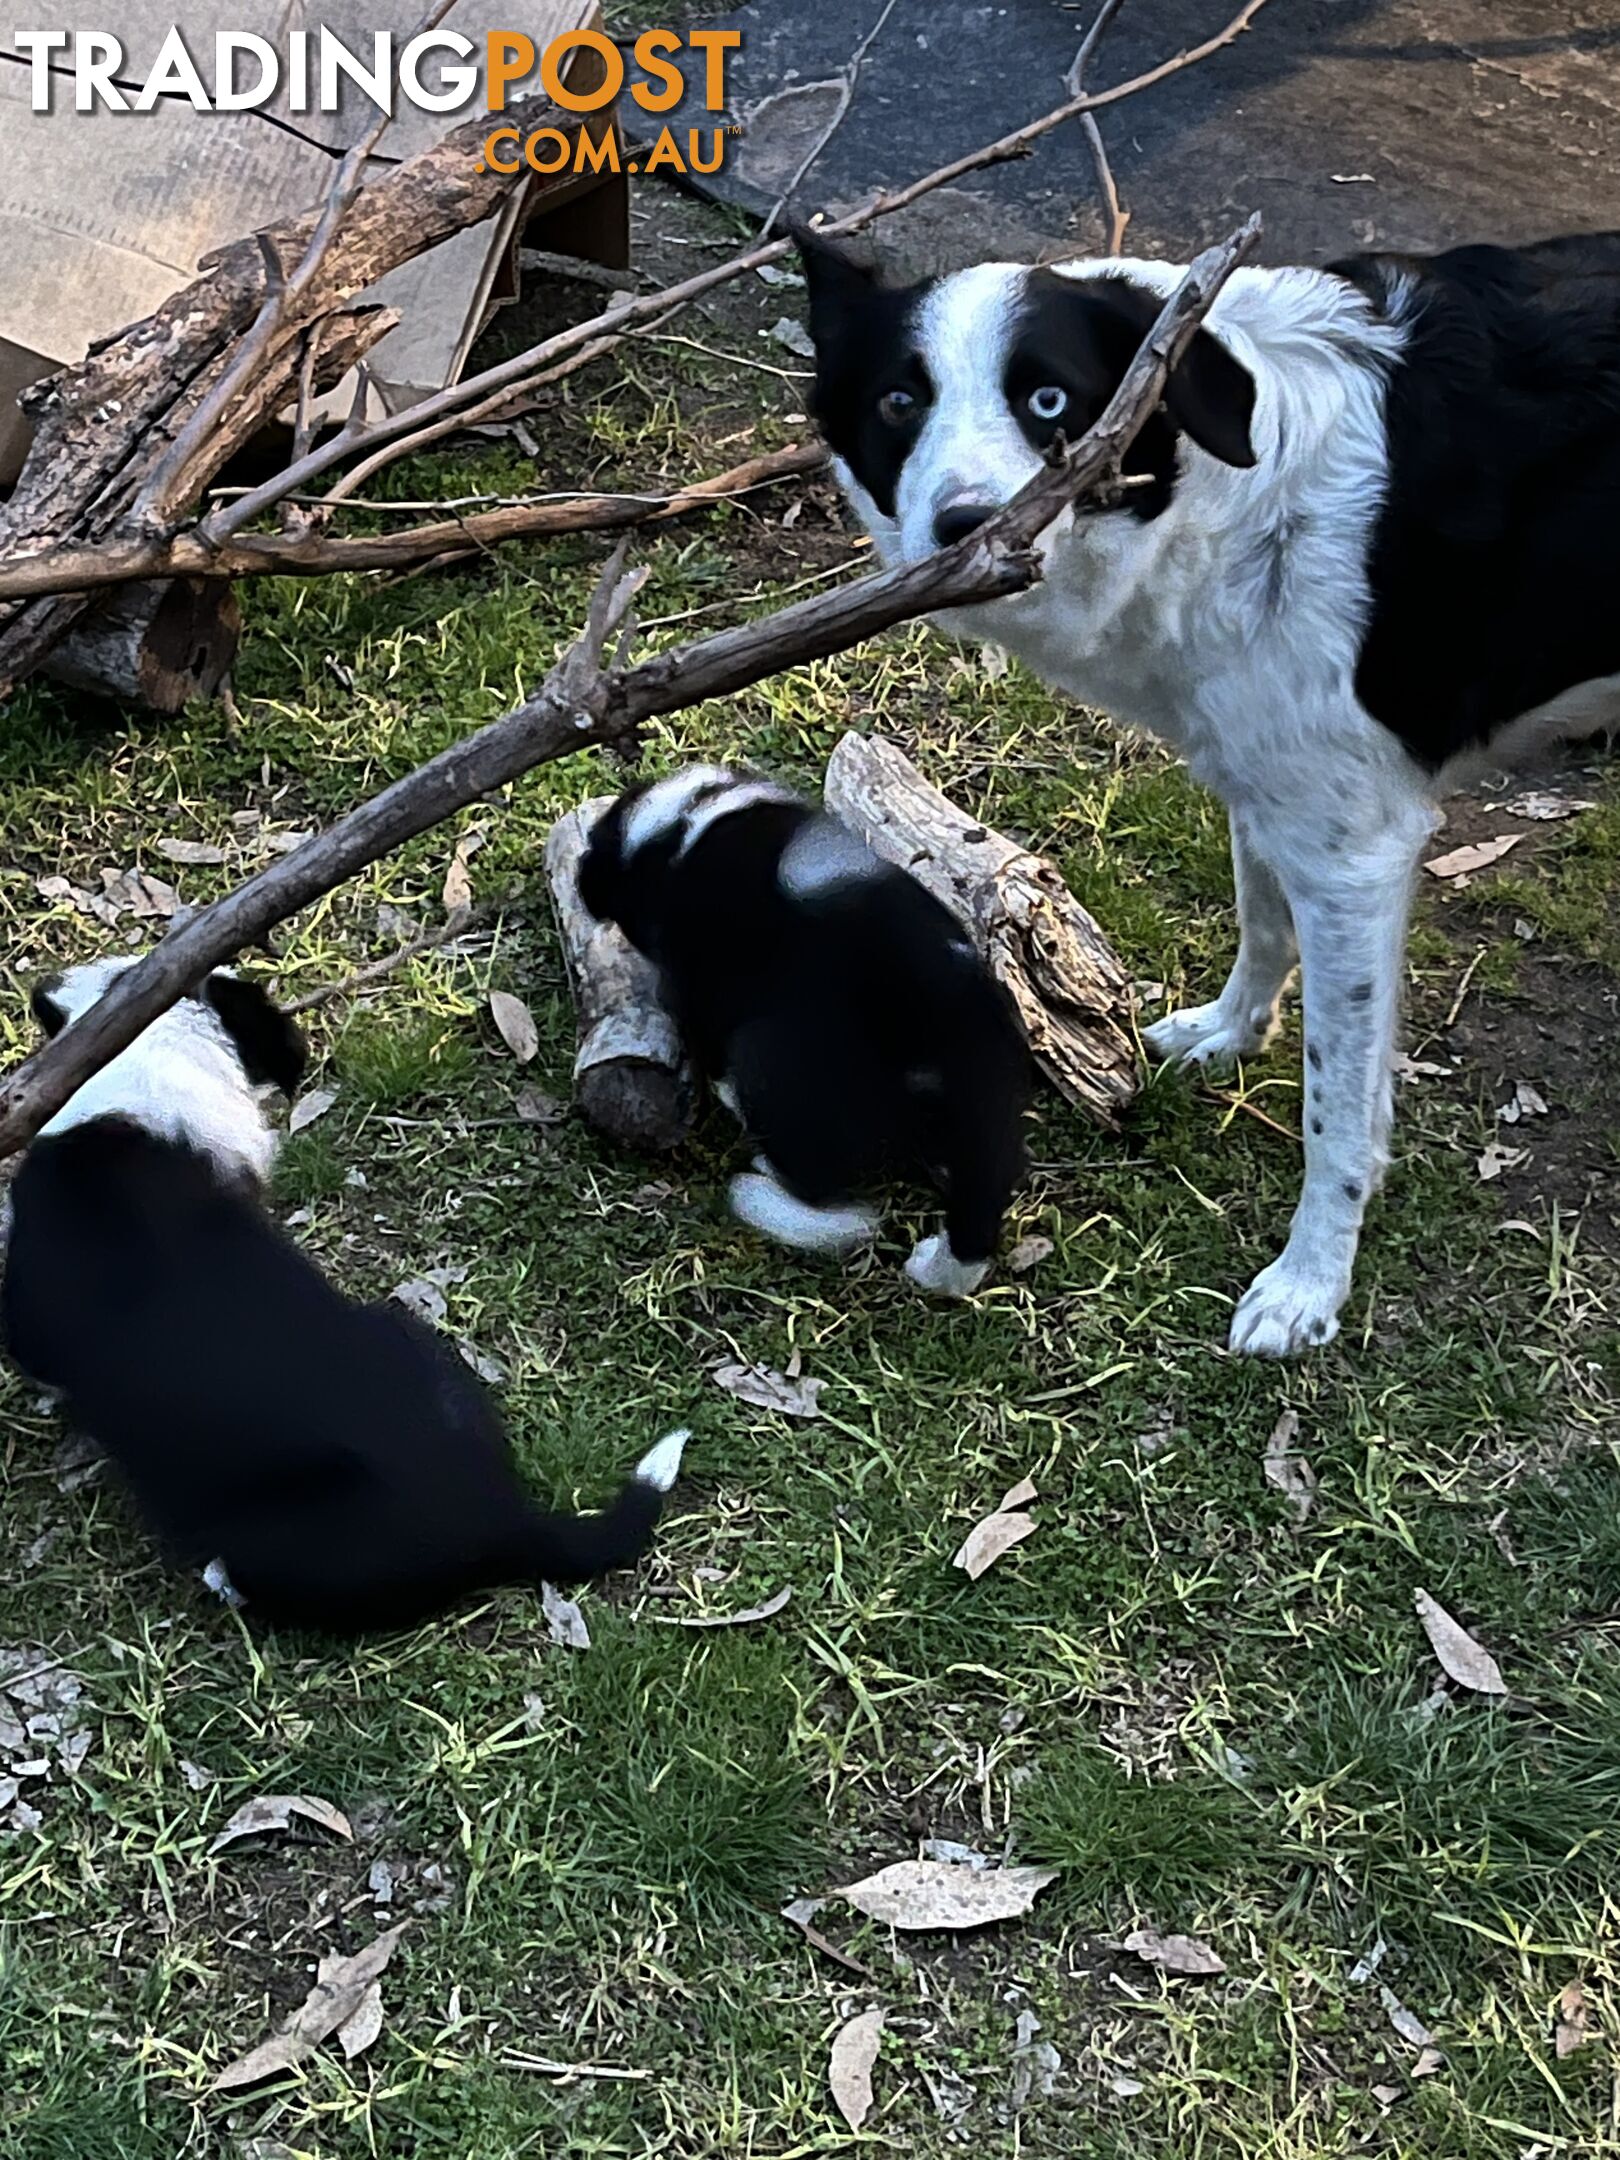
column 579, row 704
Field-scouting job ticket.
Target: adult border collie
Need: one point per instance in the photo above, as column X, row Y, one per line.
column 335, row 1465
column 1376, row 535
column 845, row 1019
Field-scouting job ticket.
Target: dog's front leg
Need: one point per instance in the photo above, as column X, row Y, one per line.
column 1242, row 1019
column 1350, row 915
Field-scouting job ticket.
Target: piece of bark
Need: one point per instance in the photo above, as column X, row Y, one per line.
column 1068, row 986
column 157, row 644
column 632, row 1077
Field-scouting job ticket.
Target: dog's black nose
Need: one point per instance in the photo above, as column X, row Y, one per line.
column 958, row 521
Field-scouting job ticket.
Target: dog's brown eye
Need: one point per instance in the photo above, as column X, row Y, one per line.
column 895, row 407
column 1049, row 402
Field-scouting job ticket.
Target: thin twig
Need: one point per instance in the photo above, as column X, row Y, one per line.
column 460, row 924
column 849, row 75
column 1115, row 216
column 579, row 704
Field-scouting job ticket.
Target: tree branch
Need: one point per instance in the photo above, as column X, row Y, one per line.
column 1115, row 217
column 582, row 703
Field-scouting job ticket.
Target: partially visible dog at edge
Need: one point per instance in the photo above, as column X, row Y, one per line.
column 842, row 1014
column 330, row 1465
column 1374, row 538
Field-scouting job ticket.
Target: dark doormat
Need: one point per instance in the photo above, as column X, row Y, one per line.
column 1348, row 123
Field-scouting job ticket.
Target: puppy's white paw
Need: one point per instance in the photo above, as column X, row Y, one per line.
column 661, row 1465
column 1207, row 1035
column 935, row 1268
column 216, row 1579
column 1289, row 1308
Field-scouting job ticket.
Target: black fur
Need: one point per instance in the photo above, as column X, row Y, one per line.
column 268, row 1043
column 1494, row 561
column 864, row 348
column 339, row 1459
column 862, row 1035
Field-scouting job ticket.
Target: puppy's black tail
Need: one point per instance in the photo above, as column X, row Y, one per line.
column 578, row 1548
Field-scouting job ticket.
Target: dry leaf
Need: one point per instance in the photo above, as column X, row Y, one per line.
column 1464, row 861
column 917, row 1894
column 423, row 1298
column 1289, row 1471
column 793, row 337
column 458, row 889
column 998, row 1533
column 1410, row 1068
column 136, row 893
column 768, row 1390
column 564, row 1620
column 1498, row 1158
column 1544, row 808
column 1527, row 1102
column 849, row 2070
column 768, row 1610
column 283, row 843
column 516, row 1024
column 535, row 1107
column 1027, row 1253
column 1174, row 1953
column 275, row 1811
column 1466, row 1661
column 1429, row 2061
column 357, row 2033
column 310, row 1107
column 489, row 1369
column 1571, row 2027
column 189, row 851
column 1406, row 2022
column 341, row 1987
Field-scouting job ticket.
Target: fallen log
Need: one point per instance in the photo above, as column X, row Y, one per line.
column 156, row 645
column 633, row 1080
column 1070, row 991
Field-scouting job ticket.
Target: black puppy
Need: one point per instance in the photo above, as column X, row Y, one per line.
column 336, row 1464
column 840, row 1011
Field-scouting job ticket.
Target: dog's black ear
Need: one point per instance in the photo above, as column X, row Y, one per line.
column 268, row 1043
column 838, row 283
column 45, row 1009
column 1211, row 397
column 600, row 866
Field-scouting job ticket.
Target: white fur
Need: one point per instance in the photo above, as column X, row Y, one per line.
column 673, row 804
column 934, row 1267
column 768, row 1207
column 180, row 1078
column 661, row 1465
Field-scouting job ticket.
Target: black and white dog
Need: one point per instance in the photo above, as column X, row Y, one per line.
column 336, row 1465
column 1377, row 534
column 843, row 1016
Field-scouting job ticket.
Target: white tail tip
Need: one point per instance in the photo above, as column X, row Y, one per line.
column 661, row 1465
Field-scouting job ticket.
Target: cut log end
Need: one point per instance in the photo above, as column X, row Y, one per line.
column 153, row 645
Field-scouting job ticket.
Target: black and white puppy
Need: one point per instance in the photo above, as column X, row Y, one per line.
column 843, row 1016
column 335, row 1464
column 1377, row 535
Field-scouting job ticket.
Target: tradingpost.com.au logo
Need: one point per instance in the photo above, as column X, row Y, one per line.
column 435, row 70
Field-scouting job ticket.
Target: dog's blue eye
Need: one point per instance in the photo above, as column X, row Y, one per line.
column 896, row 407
column 1049, row 402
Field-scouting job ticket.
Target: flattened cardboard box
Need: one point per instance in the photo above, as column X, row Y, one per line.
column 103, row 214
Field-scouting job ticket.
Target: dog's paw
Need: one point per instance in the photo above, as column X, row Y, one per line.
column 215, row 1579
column 935, row 1268
column 1207, row 1035
column 1288, row 1309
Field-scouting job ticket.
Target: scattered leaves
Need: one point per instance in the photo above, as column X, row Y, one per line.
column 793, row 337
column 1571, row 2023
column 768, row 1390
column 358, row 2032
column 1179, row 1954
column 1410, row 1068
column 1464, row 1660
column 516, row 1024
column 1497, row 1159
column 423, row 1298
column 191, row 852
column 1464, row 861
column 1542, row 808
column 458, row 890
column 767, row 1611
column 1288, row 1470
column 1406, row 2022
column 310, row 1107
column 998, row 1532
column 564, row 1620
column 924, row 1894
column 1029, row 1252
column 535, row 1107
column 1527, row 1102
column 275, row 1811
column 489, row 1369
column 849, row 2069
column 342, row 1985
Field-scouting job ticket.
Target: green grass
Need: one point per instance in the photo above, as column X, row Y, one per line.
column 1208, row 1720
